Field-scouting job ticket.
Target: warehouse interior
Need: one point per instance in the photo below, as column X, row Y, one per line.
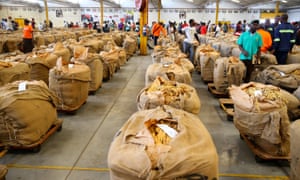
column 82, row 143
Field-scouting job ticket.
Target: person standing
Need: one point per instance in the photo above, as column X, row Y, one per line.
column 158, row 29
column 284, row 39
column 266, row 38
column 191, row 39
column 249, row 43
column 33, row 23
column 27, row 37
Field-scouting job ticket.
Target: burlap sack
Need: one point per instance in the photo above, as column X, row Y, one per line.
column 40, row 65
column 61, row 51
column 168, row 71
column 118, row 39
column 38, row 40
column 110, row 62
column 26, row 114
column 163, row 41
column 295, row 153
column 293, row 58
column 226, row 49
column 203, row 48
column 2, row 44
column 13, row 43
column 92, row 44
column 122, row 55
column 236, row 52
column 226, row 72
column 3, row 171
column 261, row 113
column 184, row 62
column 135, row 153
column 96, row 67
column 207, row 63
column 130, row 46
column 71, row 85
column 13, row 71
column 172, row 93
column 216, row 45
column 49, row 39
column 284, row 76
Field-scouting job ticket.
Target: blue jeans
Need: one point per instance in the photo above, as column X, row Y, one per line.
column 188, row 48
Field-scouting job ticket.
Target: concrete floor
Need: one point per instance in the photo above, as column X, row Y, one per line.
column 79, row 151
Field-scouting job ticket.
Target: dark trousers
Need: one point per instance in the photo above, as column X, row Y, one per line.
column 249, row 69
column 281, row 57
column 155, row 38
column 27, row 45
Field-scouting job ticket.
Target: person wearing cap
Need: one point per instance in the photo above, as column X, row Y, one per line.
column 27, row 37
column 284, row 39
column 249, row 43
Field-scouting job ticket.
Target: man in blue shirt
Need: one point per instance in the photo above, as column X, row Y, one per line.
column 249, row 43
column 284, row 39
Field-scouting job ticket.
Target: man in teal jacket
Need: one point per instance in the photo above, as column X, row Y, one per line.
column 249, row 43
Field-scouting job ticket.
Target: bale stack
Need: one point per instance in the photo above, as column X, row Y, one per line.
column 294, row 56
column 284, row 76
column 227, row 72
column 260, row 113
column 93, row 61
column 163, row 143
column 40, row 64
column 28, row 110
column 295, row 153
column 172, row 93
column 170, row 71
column 13, row 71
column 71, row 84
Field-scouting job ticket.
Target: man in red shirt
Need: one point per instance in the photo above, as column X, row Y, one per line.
column 27, row 37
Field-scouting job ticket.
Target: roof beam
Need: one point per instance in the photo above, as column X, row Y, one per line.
column 21, row 2
column 65, row 3
column 109, row 3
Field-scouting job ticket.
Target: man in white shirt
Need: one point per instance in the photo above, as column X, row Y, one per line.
column 191, row 39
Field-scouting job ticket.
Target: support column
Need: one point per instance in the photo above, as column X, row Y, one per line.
column 277, row 7
column 217, row 12
column 158, row 13
column 143, row 21
column 46, row 12
column 101, row 14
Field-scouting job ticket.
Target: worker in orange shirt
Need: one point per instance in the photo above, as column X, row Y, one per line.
column 157, row 30
column 266, row 39
column 27, row 37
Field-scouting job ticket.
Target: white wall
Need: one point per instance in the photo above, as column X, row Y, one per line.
column 294, row 15
column 74, row 14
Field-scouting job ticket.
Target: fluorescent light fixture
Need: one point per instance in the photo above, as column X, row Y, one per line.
column 236, row 1
column 284, row 1
column 190, row 0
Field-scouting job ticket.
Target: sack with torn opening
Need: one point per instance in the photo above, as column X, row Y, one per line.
column 162, row 143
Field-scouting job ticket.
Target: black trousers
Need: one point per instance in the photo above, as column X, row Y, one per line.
column 281, row 57
column 27, row 45
column 249, row 69
column 155, row 40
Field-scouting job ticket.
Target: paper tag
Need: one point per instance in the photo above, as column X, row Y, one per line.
column 281, row 73
column 168, row 130
column 257, row 93
column 22, row 86
column 70, row 65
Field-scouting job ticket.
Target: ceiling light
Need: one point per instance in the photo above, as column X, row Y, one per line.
column 236, row 1
column 284, row 1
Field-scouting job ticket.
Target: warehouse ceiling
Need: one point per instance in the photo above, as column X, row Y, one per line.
column 287, row 4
